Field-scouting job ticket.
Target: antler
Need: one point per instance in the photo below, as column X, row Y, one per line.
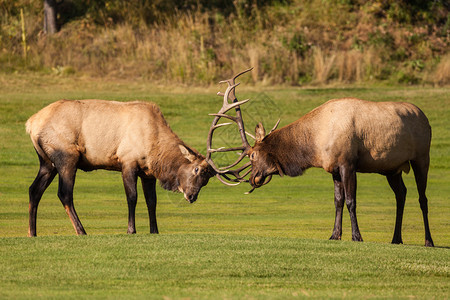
column 222, row 172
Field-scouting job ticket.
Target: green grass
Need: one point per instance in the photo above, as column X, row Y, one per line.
column 217, row 266
column 270, row 244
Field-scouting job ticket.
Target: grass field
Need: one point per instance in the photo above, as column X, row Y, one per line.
column 270, row 244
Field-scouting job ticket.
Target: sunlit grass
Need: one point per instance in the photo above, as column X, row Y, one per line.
column 217, row 266
column 270, row 244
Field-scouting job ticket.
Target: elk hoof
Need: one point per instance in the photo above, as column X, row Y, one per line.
column 357, row 238
column 397, row 241
column 336, row 238
column 429, row 243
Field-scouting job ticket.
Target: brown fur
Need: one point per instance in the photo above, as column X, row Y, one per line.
column 345, row 136
column 132, row 138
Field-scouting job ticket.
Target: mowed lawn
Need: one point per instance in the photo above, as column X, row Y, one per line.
column 272, row 243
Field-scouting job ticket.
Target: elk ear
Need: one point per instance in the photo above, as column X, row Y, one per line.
column 188, row 155
column 260, row 132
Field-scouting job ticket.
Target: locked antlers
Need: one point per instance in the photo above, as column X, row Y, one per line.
column 223, row 172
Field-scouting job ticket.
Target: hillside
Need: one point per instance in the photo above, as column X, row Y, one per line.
column 199, row 42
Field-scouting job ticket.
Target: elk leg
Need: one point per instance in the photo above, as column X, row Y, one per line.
column 129, row 181
column 65, row 193
column 348, row 176
column 43, row 179
column 420, row 174
column 339, row 204
column 149, row 187
column 399, row 188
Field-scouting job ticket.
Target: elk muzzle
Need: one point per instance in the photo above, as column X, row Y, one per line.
column 259, row 180
column 190, row 197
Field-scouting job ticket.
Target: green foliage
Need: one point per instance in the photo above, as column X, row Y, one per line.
column 381, row 39
column 191, row 41
column 138, row 12
column 297, row 44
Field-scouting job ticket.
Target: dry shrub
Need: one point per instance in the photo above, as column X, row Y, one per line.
column 254, row 61
column 349, row 65
column 305, row 41
column 441, row 75
column 372, row 63
column 323, row 66
column 191, row 51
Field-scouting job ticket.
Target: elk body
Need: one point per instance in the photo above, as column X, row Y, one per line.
column 346, row 136
column 132, row 138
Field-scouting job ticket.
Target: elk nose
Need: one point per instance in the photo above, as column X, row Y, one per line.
column 192, row 198
column 257, row 180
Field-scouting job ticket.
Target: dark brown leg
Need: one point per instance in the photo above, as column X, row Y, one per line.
column 339, row 204
column 348, row 176
column 43, row 179
column 67, row 174
column 421, row 173
column 399, row 188
column 130, row 181
column 149, row 187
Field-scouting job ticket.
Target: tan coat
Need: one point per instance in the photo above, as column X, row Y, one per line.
column 132, row 137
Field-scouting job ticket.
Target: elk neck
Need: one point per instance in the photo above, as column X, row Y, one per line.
column 168, row 163
column 292, row 147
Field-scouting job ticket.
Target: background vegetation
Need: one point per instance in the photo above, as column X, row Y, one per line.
column 185, row 41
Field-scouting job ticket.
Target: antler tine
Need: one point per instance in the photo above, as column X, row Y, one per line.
column 223, row 149
column 244, row 166
column 227, row 106
column 243, row 72
column 224, row 182
column 229, row 94
column 236, row 173
column 269, row 178
column 250, row 135
column 226, row 95
column 241, row 157
column 221, row 124
column 236, row 76
column 213, row 165
column 236, row 104
column 230, row 82
column 246, row 172
column 275, row 127
column 223, row 116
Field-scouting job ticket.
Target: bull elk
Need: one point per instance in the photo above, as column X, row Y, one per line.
column 132, row 138
column 342, row 136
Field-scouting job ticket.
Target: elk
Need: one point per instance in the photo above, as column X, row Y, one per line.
column 342, row 136
column 130, row 137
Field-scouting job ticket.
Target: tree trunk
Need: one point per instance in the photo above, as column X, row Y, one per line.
column 50, row 11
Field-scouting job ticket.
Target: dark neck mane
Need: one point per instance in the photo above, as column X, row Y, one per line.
column 292, row 147
column 167, row 163
column 167, row 169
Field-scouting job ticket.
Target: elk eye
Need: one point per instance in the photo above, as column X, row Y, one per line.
column 252, row 156
column 196, row 170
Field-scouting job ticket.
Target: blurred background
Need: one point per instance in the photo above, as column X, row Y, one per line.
column 289, row 42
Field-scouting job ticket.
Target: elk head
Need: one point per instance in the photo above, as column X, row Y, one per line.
column 194, row 175
column 263, row 158
column 261, row 166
